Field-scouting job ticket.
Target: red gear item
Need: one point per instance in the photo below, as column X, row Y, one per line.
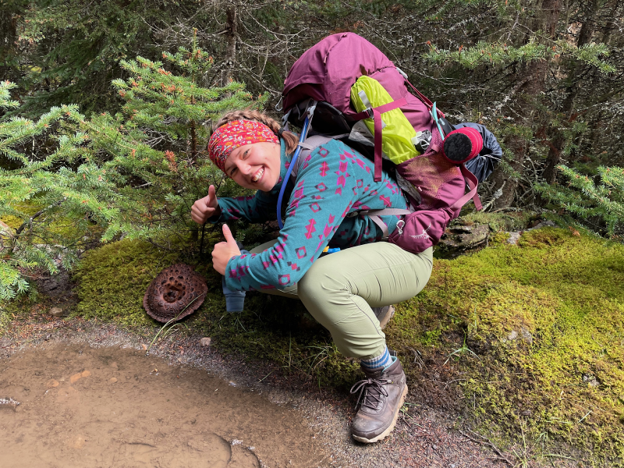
column 462, row 145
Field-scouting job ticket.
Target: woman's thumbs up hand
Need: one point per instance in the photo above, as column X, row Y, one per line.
column 223, row 251
column 206, row 207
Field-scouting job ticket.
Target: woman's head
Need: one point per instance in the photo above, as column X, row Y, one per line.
column 245, row 145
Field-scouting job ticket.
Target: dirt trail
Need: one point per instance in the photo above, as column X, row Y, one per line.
column 82, row 406
column 178, row 408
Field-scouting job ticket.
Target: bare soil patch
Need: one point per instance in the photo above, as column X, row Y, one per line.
column 83, row 406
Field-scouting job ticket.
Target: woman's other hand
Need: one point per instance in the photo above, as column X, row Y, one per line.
column 223, row 251
column 206, row 207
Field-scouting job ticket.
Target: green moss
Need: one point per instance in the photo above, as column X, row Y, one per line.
column 112, row 280
column 546, row 318
column 28, row 208
column 59, row 230
column 512, row 221
column 14, row 310
column 500, row 237
column 11, row 221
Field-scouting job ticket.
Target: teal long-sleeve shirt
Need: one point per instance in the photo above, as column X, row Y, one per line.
column 333, row 182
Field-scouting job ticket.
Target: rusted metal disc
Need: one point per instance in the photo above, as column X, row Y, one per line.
column 175, row 293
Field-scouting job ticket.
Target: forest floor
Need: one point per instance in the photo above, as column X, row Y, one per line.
column 90, row 393
column 513, row 356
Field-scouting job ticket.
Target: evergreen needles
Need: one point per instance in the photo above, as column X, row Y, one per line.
column 67, row 180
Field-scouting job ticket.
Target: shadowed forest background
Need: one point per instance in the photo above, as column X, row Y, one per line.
column 545, row 77
column 106, row 109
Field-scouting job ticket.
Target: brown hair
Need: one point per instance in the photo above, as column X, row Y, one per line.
column 248, row 114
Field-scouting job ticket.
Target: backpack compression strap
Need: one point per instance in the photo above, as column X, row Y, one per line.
column 375, row 113
column 374, row 216
column 471, row 180
column 472, row 184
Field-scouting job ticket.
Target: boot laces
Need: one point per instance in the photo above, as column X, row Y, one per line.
column 371, row 392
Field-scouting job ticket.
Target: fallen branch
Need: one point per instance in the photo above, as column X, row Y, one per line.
column 485, row 441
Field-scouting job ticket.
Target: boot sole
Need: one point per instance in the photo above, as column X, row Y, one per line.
column 387, row 432
column 386, row 318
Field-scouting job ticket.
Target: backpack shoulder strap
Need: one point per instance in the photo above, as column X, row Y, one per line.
column 309, row 145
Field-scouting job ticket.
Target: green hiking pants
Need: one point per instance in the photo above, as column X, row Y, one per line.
column 340, row 289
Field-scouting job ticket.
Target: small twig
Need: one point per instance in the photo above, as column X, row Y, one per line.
column 193, row 138
column 556, row 455
column 405, row 421
column 486, row 441
column 9, row 402
column 36, row 215
column 147, row 184
column 161, row 247
column 583, row 418
column 201, row 243
column 417, row 359
column 265, row 376
column 141, row 443
column 452, row 381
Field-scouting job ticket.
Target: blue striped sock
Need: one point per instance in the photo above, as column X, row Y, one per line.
column 380, row 362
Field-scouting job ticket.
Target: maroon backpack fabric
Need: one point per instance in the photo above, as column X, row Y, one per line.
column 441, row 185
column 327, row 71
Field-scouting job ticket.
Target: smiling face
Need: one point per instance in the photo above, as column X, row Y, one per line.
column 255, row 166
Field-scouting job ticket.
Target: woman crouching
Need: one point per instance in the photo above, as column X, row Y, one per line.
column 349, row 291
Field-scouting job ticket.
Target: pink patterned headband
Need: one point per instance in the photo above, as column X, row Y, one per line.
column 234, row 134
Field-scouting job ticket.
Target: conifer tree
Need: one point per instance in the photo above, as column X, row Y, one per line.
column 66, row 179
column 597, row 195
column 44, row 178
column 71, row 48
column 519, row 67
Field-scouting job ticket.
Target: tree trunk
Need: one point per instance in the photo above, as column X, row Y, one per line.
column 611, row 23
column 517, row 143
column 558, row 142
column 534, row 76
column 8, row 37
column 232, row 36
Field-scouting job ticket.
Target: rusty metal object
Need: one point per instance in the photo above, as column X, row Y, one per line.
column 175, row 293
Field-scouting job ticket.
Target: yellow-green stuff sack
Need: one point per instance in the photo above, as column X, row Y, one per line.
column 397, row 134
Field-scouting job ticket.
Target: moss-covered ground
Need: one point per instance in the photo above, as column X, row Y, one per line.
column 538, row 332
column 529, row 336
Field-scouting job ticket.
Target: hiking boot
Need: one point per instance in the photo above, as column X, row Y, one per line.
column 381, row 396
column 384, row 314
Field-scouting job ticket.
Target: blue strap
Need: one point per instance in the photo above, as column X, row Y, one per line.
column 304, row 132
column 434, row 115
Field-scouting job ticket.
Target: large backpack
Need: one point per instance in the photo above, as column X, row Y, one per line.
column 317, row 96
